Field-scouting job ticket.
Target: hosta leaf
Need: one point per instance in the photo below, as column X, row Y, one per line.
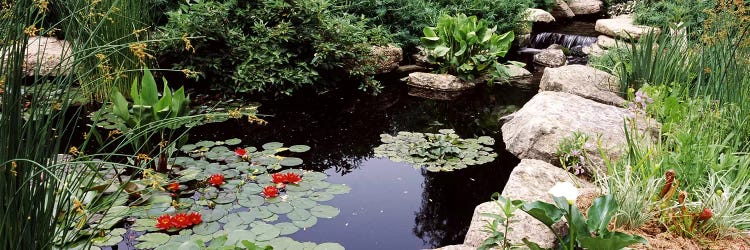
column 324, row 211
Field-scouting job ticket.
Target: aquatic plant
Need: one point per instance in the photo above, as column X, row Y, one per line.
column 444, row 151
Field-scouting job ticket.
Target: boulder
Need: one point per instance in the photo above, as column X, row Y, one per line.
column 537, row 129
column 586, row 7
column 386, row 58
column 522, row 40
column 562, row 10
column 441, row 82
column 520, row 77
column 529, row 181
column 456, row 247
column 593, row 50
column 551, row 57
column 606, row 42
column 583, row 81
column 623, row 27
column 539, row 15
column 47, row 56
column 420, row 58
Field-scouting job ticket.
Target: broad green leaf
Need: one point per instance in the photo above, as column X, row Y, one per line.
column 615, row 240
column 190, row 245
column 544, row 212
column 120, row 106
column 264, row 232
column 215, row 214
column 206, row 228
column 149, row 94
column 298, row 215
column 441, row 50
column 306, row 223
column 324, row 211
column 600, row 213
column 286, row 228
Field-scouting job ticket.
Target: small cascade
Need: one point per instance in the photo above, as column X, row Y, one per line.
column 545, row 39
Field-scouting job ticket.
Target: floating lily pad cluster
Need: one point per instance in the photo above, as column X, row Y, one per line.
column 444, row 151
column 234, row 213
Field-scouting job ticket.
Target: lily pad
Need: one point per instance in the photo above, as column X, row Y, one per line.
column 264, row 231
column 280, row 208
column 232, row 142
column 206, row 228
column 299, row 148
column 250, row 201
column 151, row 240
column 215, row 214
column 272, row 145
column 303, row 203
column 306, row 223
column 325, row 211
column 338, row 189
column 290, row 162
column 286, row 228
column 298, row 215
column 107, row 240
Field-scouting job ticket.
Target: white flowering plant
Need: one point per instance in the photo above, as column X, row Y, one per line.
column 587, row 233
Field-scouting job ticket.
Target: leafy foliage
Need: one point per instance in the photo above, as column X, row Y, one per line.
column 466, row 47
column 445, row 151
column 270, row 46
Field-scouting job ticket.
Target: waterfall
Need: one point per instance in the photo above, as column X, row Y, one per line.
column 545, row 39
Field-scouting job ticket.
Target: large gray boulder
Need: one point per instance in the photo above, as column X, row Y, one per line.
column 562, row 10
column 47, row 56
column 582, row 81
column 551, row 57
column 539, row 15
column 537, row 129
column 585, row 7
column 623, row 27
column 520, row 77
column 529, row 181
column 442, row 82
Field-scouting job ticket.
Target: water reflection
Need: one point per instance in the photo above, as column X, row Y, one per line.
column 343, row 128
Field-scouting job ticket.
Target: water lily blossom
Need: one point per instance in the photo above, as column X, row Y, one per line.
column 181, row 220
column 195, row 218
column 270, row 192
column 565, row 190
column 164, row 222
column 241, row 152
column 174, row 187
column 278, row 178
column 293, row 178
column 216, row 180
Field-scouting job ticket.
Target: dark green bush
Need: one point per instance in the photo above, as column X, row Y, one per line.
column 269, row 46
column 665, row 13
column 406, row 18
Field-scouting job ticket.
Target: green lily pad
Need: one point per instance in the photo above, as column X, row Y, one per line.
column 298, row 215
column 280, row 208
column 237, row 236
column 206, row 228
column 286, row 228
column 205, row 144
column 272, row 145
column 264, row 231
column 299, row 148
column 107, row 240
column 303, row 203
column 321, row 196
column 224, row 198
column 232, row 142
column 329, row 246
column 215, row 214
column 338, row 189
column 324, row 211
column 250, row 201
column 145, row 225
column 290, row 162
column 151, row 240
column 308, row 223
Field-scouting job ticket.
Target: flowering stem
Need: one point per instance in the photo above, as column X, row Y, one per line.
column 572, row 230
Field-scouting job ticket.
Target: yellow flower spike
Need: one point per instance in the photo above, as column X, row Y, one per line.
column 13, row 166
column 188, row 45
column 32, row 30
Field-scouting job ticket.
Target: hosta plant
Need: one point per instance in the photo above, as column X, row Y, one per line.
column 445, row 151
column 466, row 47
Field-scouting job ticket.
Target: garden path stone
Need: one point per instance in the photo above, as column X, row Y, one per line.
column 536, row 130
column 550, row 57
column 623, row 27
column 442, row 82
column 582, row 81
column 529, row 181
column 586, row 7
column 539, row 15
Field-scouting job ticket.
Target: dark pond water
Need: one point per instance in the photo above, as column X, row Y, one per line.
column 391, row 205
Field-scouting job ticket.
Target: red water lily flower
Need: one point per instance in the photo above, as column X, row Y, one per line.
column 293, row 178
column 174, row 187
column 195, row 218
column 164, row 222
column 181, row 220
column 270, row 191
column 216, row 180
column 278, row 178
column 241, row 152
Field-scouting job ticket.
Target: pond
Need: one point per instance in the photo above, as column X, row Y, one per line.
column 391, row 205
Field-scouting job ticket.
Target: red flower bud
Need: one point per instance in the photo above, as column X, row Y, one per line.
column 216, row 180
column 705, row 214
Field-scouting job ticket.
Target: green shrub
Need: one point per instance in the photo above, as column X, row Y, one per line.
column 406, row 18
column 466, row 47
column 666, row 13
column 270, row 46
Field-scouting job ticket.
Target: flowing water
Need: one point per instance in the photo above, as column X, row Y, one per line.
column 391, row 205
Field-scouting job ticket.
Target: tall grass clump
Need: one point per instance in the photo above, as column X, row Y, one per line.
column 700, row 84
column 44, row 203
column 117, row 31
